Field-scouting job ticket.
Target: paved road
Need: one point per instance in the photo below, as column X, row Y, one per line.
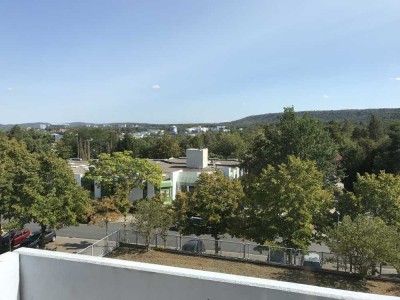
column 96, row 232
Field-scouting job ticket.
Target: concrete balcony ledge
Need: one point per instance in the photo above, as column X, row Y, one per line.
column 39, row 274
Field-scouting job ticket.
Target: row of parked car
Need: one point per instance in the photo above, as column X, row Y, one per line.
column 312, row 260
column 25, row 238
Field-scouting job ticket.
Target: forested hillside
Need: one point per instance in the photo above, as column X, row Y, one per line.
column 354, row 115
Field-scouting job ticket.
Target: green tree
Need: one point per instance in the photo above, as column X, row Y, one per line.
column 216, row 200
column 119, row 173
column 302, row 137
column 59, row 201
column 375, row 128
column 388, row 158
column 152, row 217
column 379, row 196
column 167, row 146
column 63, row 150
column 105, row 210
column 180, row 209
column 18, row 181
column 285, row 202
column 87, row 142
column 35, row 140
column 364, row 243
column 229, row 145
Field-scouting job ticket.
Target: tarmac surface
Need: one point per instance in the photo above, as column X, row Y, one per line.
column 69, row 244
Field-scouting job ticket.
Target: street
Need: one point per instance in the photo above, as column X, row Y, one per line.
column 96, row 232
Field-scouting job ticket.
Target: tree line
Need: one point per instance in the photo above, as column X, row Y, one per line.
column 289, row 193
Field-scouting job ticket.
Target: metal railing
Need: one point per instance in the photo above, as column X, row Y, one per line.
column 230, row 249
column 104, row 246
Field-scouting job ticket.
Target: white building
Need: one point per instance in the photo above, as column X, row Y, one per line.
column 179, row 174
column 174, row 130
column 56, row 137
column 48, row 275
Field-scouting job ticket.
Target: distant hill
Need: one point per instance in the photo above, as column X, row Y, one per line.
column 355, row 115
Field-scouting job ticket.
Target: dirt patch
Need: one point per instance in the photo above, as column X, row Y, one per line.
column 260, row 271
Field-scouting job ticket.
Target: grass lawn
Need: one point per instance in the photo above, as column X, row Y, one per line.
column 260, row 271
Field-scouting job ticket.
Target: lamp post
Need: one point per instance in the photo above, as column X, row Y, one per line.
column 338, row 215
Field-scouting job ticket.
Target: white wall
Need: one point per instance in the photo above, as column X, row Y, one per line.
column 78, row 178
column 197, row 158
column 135, row 194
column 9, row 276
column 150, row 191
column 97, row 190
column 174, row 179
column 49, row 275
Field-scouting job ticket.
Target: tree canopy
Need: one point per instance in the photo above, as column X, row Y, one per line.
column 59, row 201
column 285, row 202
column 216, row 200
column 152, row 217
column 119, row 173
column 38, row 187
column 374, row 195
column 364, row 243
column 18, row 181
column 302, row 137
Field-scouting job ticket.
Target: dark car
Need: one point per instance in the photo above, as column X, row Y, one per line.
column 312, row 261
column 14, row 236
column 175, row 226
column 194, row 246
column 33, row 240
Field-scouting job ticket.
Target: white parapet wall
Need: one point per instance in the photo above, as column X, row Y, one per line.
column 48, row 275
column 9, row 276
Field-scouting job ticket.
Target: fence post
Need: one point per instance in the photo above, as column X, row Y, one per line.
column 220, row 248
column 137, row 239
column 244, row 250
column 337, row 265
column 269, row 254
column 156, row 240
column 92, row 249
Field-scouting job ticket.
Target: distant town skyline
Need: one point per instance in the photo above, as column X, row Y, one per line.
column 169, row 62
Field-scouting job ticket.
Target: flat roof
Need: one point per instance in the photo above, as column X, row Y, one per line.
column 78, row 166
column 174, row 164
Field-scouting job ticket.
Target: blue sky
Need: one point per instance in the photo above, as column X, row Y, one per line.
column 181, row 61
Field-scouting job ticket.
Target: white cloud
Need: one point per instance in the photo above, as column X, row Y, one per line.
column 155, row 87
column 325, row 96
column 10, row 89
column 397, row 78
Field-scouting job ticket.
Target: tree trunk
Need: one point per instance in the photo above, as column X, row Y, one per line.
column 42, row 236
column 216, row 239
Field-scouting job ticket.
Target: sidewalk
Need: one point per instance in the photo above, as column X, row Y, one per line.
column 70, row 245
